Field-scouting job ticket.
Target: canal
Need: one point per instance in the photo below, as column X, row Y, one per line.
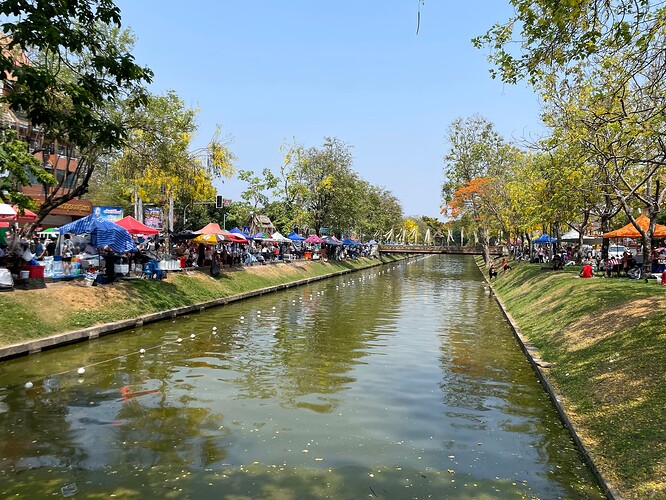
column 400, row 381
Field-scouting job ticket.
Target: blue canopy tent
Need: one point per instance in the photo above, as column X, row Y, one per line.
column 372, row 242
column 239, row 231
column 293, row 236
column 350, row 242
column 103, row 233
column 544, row 238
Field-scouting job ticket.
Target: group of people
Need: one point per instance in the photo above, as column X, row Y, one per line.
column 492, row 272
column 73, row 255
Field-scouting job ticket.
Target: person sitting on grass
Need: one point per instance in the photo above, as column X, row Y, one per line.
column 586, row 272
column 505, row 265
column 558, row 262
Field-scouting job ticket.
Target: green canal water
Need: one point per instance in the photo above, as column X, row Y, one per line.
column 401, row 381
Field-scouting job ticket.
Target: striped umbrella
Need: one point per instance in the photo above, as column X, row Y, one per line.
column 103, row 233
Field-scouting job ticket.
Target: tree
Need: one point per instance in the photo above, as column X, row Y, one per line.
column 255, row 192
column 321, row 178
column 157, row 165
column 552, row 35
column 474, row 167
column 65, row 69
column 18, row 167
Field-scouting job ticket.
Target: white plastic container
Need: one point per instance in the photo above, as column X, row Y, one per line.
column 25, row 275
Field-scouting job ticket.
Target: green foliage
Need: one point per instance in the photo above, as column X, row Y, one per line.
column 79, row 71
column 320, row 189
column 547, row 36
column 18, row 168
column 257, row 186
column 157, row 164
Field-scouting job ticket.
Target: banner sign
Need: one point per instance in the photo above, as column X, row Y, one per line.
column 111, row 214
column 152, row 217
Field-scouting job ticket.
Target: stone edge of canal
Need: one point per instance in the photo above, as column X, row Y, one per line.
column 538, row 365
column 93, row 332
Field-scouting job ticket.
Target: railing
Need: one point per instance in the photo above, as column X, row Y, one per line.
column 467, row 250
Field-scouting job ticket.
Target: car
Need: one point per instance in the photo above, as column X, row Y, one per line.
column 616, row 251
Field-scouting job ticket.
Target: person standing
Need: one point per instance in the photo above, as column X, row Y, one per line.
column 40, row 249
column 67, row 254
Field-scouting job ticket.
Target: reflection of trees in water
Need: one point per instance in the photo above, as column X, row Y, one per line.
column 316, row 343
column 489, row 386
column 64, row 423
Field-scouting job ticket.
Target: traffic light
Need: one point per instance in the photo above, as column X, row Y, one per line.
column 219, row 201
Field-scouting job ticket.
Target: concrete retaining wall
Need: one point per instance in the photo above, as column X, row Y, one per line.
column 97, row 331
column 540, row 368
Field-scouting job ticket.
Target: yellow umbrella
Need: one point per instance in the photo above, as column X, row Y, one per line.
column 208, row 239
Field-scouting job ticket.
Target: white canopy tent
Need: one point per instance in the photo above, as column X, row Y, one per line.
column 277, row 236
column 572, row 236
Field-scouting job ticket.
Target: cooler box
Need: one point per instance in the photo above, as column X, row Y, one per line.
column 34, row 271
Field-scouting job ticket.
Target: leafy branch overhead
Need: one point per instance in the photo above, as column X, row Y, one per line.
column 66, row 70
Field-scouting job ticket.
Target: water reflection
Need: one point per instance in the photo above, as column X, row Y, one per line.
column 401, row 381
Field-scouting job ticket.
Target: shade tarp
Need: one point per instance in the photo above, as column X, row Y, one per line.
column 629, row 231
column 332, row 240
column 133, row 226
column 261, row 236
column 236, row 230
column 103, row 233
column 294, row 236
column 234, row 237
column 209, row 239
column 184, row 235
column 350, row 242
column 13, row 214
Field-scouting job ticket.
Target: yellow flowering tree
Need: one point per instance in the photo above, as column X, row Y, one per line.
column 157, row 165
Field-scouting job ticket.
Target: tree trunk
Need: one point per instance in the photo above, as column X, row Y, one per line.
column 485, row 242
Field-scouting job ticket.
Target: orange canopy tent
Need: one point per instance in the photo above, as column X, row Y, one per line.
column 629, row 231
column 133, row 226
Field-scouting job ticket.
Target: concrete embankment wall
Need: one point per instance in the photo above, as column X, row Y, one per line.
column 540, row 368
column 93, row 332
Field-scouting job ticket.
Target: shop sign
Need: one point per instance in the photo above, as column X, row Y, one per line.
column 79, row 208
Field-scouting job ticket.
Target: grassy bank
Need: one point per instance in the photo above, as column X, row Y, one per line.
column 606, row 339
column 35, row 314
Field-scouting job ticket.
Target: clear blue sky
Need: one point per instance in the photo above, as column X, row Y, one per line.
column 271, row 71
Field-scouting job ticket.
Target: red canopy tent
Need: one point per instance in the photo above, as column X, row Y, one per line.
column 7, row 215
column 133, row 226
